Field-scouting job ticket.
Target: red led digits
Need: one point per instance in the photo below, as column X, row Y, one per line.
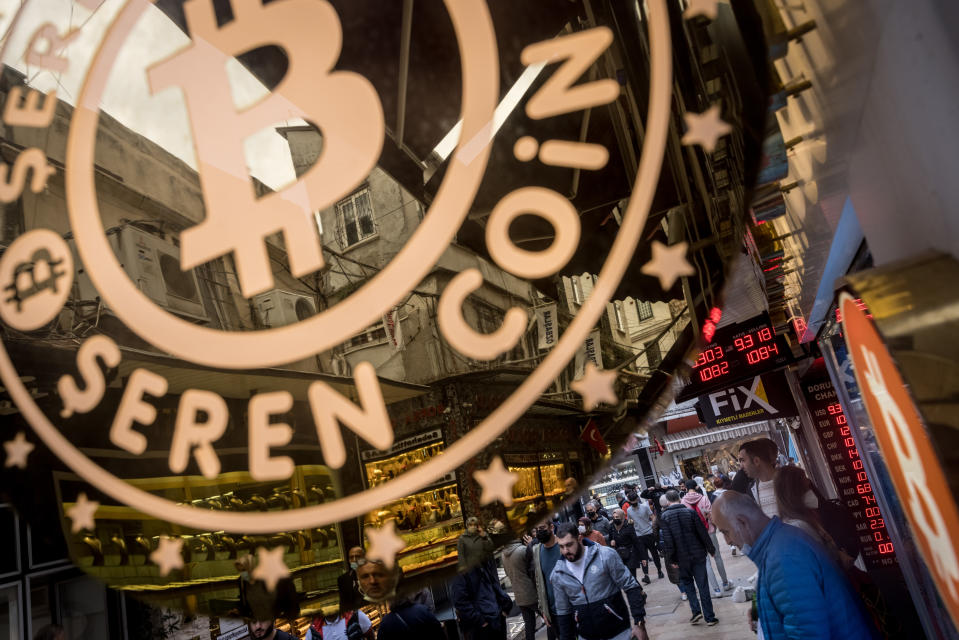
column 859, row 480
column 713, row 371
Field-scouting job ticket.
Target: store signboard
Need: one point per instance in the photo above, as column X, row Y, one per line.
column 910, row 457
column 847, row 470
column 413, row 442
column 737, row 354
column 764, row 397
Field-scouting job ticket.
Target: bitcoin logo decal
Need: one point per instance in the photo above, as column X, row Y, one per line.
column 343, row 104
column 36, row 272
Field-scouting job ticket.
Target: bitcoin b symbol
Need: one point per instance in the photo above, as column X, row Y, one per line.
column 36, row 274
column 342, row 104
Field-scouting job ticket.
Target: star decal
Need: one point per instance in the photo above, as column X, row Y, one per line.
column 596, row 386
column 497, row 483
column 270, row 567
column 708, row 8
column 384, row 543
column 17, row 451
column 668, row 263
column 82, row 513
column 705, row 128
column 169, row 555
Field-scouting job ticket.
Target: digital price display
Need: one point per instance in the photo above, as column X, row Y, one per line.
column 737, row 352
column 847, row 469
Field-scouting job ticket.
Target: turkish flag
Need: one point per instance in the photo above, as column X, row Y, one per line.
column 594, row 438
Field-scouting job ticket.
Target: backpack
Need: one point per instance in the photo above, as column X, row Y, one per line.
column 353, row 630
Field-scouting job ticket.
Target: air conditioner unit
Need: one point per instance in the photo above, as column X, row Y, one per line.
column 278, row 308
column 153, row 264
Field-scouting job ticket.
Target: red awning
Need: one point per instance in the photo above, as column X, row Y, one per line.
column 683, row 424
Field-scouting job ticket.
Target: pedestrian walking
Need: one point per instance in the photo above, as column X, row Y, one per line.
column 641, row 515
column 598, row 521
column 801, row 591
column 474, row 546
column 702, row 506
column 524, row 589
column 686, row 545
column 543, row 558
column 480, row 602
column 590, row 582
column 758, row 460
column 622, row 539
column 586, row 531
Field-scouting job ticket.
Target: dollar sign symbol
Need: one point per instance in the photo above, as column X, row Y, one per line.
column 350, row 118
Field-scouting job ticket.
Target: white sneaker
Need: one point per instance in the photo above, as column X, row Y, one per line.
column 684, row 596
column 728, row 586
column 717, row 593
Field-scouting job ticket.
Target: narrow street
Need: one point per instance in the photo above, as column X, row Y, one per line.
column 668, row 615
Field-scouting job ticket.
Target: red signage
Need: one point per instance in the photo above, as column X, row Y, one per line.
column 909, row 456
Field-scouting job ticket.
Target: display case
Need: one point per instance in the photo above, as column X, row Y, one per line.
column 119, row 551
column 618, row 475
column 430, row 522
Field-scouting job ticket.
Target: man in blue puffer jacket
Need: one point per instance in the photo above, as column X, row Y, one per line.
column 800, row 591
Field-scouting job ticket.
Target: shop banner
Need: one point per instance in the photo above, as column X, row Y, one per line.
column 589, row 351
column 912, row 462
column 394, row 329
column 765, row 397
column 546, row 326
column 413, row 442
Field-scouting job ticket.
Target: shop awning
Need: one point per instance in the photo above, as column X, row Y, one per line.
column 699, row 437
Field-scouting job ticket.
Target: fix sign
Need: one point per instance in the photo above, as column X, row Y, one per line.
column 912, row 463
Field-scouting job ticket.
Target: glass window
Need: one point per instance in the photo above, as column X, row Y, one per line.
column 82, row 606
column 10, row 622
column 9, row 531
column 644, row 309
column 355, row 216
column 653, row 356
column 577, row 290
column 618, row 310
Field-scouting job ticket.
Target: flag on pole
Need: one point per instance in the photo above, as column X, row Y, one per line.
column 593, row 437
column 394, row 330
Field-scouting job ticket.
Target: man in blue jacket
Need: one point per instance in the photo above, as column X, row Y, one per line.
column 800, row 591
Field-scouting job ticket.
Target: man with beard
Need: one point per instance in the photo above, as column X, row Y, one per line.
column 266, row 630
column 588, row 584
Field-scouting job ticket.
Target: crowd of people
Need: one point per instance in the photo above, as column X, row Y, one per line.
column 580, row 571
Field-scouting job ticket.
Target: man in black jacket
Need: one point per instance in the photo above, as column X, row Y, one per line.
column 686, row 544
column 481, row 604
column 622, row 538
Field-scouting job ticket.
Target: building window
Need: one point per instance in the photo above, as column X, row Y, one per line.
column 653, row 356
column 645, row 310
column 618, row 312
column 354, row 216
column 577, row 290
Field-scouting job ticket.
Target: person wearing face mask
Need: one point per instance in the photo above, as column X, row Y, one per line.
column 622, row 538
column 542, row 558
column 641, row 515
column 802, row 506
column 596, row 519
column 587, row 532
column 801, row 590
column 474, row 546
column 348, row 584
